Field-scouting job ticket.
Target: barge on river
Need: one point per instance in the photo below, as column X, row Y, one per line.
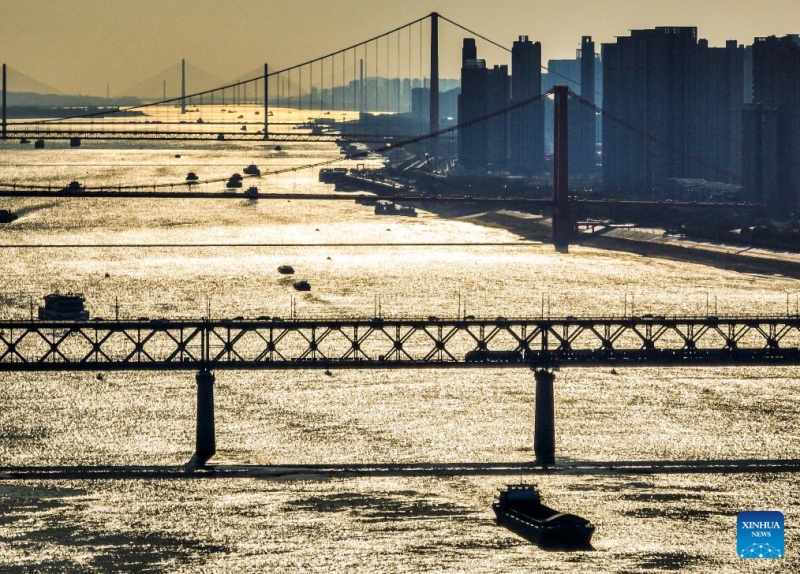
column 519, row 508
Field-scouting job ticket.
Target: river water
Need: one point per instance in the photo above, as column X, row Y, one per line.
column 399, row 467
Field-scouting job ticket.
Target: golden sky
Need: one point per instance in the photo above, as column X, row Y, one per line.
column 81, row 46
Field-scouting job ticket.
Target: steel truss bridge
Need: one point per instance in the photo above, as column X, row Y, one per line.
column 540, row 344
column 388, row 343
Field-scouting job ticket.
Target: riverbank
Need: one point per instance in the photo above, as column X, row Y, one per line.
column 649, row 243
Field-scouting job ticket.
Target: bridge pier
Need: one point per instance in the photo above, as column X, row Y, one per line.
column 544, row 433
column 205, row 439
column 266, row 102
column 4, row 134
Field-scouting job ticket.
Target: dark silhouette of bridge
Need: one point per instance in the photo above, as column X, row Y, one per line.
column 541, row 344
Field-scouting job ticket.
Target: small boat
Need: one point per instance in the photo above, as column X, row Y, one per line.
column 72, row 188
column 252, row 191
column 24, row 141
column 252, row 169
column 235, row 181
column 285, row 269
column 7, row 216
column 278, row 148
column 302, row 285
column 519, row 508
column 383, row 207
column 68, row 307
column 191, row 176
column 332, row 174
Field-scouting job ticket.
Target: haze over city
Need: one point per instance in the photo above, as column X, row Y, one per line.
column 87, row 46
column 456, row 286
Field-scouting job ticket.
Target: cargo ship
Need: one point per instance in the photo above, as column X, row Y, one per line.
column 519, row 508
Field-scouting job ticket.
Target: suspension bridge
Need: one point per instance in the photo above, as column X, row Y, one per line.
column 342, row 96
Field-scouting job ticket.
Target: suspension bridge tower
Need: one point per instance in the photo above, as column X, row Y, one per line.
column 434, row 95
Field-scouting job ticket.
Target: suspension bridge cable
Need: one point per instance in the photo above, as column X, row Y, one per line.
column 234, row 84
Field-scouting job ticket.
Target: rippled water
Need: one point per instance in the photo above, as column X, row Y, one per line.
column 464, row 427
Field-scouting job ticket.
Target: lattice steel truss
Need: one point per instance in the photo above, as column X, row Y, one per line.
column 396, row 343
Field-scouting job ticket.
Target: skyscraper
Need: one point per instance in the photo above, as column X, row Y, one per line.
column 582, row 120
column 683, row 101
column 527, row 122
column 772, row 123
column 472, row 104
column 482, row 146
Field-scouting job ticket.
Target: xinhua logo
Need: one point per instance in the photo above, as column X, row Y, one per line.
column 759, row 534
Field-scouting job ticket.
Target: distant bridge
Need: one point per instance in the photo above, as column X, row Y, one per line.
column 175, row 133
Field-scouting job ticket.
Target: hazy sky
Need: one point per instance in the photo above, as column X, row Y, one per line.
column 79, row 46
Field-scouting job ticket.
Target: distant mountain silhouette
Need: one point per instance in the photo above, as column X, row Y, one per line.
column 197, row 80
column 25, row 92
column 20, row 82
column 30, row 99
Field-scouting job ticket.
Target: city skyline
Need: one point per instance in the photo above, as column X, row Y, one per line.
column 147, row 36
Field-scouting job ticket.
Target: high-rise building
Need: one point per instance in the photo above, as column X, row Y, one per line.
column 526, row 123
column 582, row 119
column 772, row 123
column 497, row 97
column 472, row 104
column 482, row 146
column 683, row 101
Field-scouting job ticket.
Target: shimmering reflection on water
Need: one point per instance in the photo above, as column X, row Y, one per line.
column 383, row 522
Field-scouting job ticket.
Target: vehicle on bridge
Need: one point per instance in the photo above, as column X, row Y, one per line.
column 486, row 356
column 68, row 306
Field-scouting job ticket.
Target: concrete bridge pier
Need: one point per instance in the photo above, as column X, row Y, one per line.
column 544, row 433
column 205, row 439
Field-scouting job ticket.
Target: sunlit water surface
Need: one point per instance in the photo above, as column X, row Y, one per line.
column 225, row 253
